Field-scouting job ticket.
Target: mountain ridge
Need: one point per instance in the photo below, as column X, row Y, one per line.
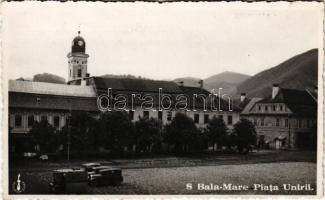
column 226, row 80
column 297, row 72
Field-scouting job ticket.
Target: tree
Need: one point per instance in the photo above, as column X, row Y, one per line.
column 80, row 132
column 44, row 135
column 148, row 134
column 217, row 131
column 244, row 135
column 115, row 131
column 181, row 132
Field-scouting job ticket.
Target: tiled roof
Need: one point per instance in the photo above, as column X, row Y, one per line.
column 51, row 88
column 187, row 90
column 140, row 85
column 291, row 96
column 51, row 102
column 191, row 91
column 249, row 105
column 241, row 104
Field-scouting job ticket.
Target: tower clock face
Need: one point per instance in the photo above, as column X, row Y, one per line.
column 80, row 43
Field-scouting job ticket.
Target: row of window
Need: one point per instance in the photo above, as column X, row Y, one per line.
column 18, row 123
column 18, row 119
column 298, row 123
column 78, row 62
column 267, row 108
column 146, row 115
column 169, row 117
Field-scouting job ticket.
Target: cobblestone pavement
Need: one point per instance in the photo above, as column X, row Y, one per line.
column 174, row 180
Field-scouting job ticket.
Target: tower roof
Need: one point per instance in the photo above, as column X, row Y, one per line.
column 78, row 44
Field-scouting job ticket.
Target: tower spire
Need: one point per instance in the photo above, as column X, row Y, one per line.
column 78, row 30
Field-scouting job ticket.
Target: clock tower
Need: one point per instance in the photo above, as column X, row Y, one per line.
column 77, row 59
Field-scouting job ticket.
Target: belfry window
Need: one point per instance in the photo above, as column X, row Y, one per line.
column 79, row 72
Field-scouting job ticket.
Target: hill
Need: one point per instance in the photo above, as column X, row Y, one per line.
column 299, row 72
column 228, row 77
column 129, row 76
column 49, row 78
column 225, row 80
column 45, row 77
column 188, row 81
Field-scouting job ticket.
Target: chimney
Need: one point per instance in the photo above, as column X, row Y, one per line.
column 181, row 83
column 275, row 90
column 201, row 83
column 242, row 97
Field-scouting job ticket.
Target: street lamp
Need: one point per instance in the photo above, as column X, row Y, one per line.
column 69, row 131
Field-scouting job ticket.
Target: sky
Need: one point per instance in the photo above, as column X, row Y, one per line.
column 158, row 41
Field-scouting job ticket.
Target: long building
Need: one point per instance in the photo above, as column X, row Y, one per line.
column 33, row 101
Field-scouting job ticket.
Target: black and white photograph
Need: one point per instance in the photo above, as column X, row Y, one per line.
column 179, row 98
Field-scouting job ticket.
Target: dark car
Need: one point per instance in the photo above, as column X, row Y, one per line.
column 69, row 181
column 89, row 166
column 103, row 175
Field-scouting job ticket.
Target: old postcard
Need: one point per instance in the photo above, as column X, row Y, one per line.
column 202, row 99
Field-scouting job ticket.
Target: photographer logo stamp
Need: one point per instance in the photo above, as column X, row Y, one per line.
column 18, row 186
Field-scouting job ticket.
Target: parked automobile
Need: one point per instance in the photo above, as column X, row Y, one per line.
column 111, row 175
column 103, row 175
column 69, row 181
column 89, row 166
